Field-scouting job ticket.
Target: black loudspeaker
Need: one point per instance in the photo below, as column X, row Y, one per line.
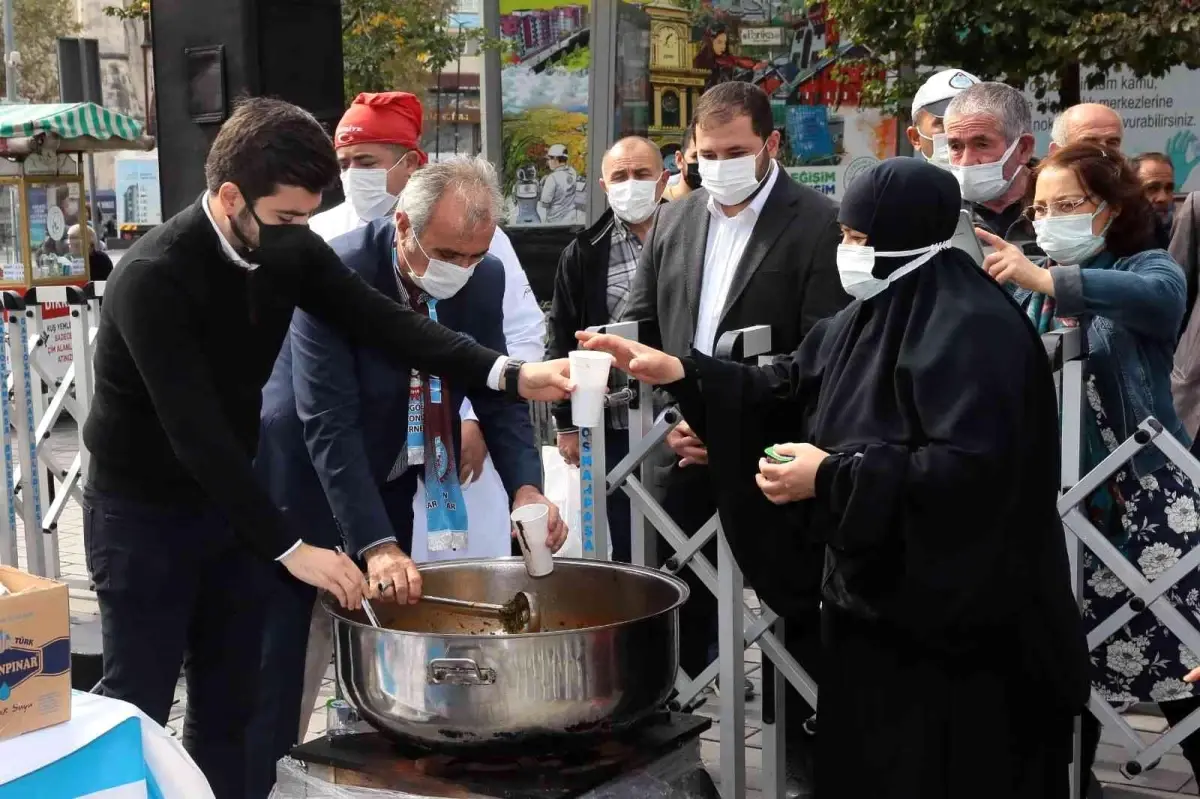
column 209, row 54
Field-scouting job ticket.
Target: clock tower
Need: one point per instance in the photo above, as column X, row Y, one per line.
column 675, row 84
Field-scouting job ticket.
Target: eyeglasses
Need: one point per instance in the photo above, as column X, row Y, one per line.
column 1063, row 207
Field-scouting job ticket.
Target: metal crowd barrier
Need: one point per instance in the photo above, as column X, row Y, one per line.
column 36, row 402
column 1067, row 350
column 31, row 414
column 738, row 626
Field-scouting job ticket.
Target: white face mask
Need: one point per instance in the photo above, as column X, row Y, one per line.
column 731, row 181
column 366, row 191
column 442, row 279
column 633, row 201
column 856, row 263
column 1069, row 240
column 941, row 150
column 983, row 183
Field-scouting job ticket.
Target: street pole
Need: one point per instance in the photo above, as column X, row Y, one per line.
column 10, row 70
column 147, row 46
column 89, row 96
column 491, row 109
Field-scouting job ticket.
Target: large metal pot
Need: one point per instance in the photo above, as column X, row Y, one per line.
column 607, row 654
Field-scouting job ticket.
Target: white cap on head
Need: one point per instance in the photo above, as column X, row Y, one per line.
column 557, row 151
column 937, row 92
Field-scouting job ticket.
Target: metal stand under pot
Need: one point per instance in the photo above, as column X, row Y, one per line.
column 660, row 757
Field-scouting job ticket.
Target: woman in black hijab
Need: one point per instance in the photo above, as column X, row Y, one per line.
column 931, row 474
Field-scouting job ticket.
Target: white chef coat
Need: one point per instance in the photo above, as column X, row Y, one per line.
column 727, row 240
column 525, row 334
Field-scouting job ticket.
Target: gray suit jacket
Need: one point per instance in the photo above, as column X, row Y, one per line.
column 787, row 278
column 1185, row 376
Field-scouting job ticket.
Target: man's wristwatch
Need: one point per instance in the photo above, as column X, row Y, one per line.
column 512, row 379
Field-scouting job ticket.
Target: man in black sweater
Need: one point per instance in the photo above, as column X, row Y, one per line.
column 176, row 524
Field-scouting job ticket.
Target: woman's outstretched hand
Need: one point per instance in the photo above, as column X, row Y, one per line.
column 644, row 363
column 1008, row 264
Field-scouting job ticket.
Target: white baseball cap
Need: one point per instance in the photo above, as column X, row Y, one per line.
column 937, row 92
column 557, row 151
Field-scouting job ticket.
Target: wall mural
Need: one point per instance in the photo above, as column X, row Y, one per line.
column 668, row 53
column 789, row 48
column 544, row 82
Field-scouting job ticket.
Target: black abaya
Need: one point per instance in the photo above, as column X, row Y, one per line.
column 947, row 608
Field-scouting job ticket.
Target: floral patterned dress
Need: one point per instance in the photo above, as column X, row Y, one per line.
column 1153, row 522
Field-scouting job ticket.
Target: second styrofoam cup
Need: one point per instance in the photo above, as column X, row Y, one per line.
column 589, row 371
column 533, row 526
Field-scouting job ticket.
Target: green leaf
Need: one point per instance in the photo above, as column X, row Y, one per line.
column 1020, row 41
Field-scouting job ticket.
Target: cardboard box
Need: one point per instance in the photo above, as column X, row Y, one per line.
column 35, row 653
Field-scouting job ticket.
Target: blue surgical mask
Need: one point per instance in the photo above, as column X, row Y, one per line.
column 856, row 264
column 1069, row 240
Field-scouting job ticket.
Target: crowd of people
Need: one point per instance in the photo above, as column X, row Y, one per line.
column 896, row 436
column 276, row 385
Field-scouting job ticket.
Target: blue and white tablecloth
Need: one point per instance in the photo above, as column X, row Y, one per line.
column 108, row 750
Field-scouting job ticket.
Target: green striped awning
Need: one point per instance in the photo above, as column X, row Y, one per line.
column 68, row 120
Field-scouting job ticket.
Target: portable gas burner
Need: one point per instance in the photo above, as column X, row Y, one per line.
column 664, row 749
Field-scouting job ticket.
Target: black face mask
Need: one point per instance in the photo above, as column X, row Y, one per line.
column 692, row 176
column 275, row 242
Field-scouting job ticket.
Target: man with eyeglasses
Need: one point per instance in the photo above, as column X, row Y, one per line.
column 179, row 531
column 350, row 438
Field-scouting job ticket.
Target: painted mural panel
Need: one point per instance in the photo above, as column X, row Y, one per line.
column 544, row 83
column 789, row 48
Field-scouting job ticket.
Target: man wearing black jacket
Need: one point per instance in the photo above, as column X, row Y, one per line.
column 174, row 517
column 750, row 247
column 591, row 287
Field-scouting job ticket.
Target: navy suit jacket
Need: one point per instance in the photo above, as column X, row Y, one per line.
column 334, row 416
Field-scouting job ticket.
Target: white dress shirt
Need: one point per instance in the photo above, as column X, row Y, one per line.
column 727, row 240
column 226, row 248
column 525, row 334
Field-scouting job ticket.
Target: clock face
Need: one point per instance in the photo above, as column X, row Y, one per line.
column 668, row 48
column 670, row 102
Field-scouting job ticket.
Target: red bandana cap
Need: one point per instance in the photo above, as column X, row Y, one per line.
column 384, row 118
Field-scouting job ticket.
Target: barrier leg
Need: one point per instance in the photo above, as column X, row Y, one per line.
column 774, row 728
column 82, row 340
column 31, row 477
column 643, row 541
column 8, row 514
column 730, row 604
column 1071, row 402
column 39, row 353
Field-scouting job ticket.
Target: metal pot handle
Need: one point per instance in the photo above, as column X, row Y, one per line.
column 459, row 671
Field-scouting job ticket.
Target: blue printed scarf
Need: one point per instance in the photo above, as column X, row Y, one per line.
column 430, row 436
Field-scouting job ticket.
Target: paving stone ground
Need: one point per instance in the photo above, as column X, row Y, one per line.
column 1172, row 777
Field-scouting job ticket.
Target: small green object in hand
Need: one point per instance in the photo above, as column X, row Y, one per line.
column 778, row 457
